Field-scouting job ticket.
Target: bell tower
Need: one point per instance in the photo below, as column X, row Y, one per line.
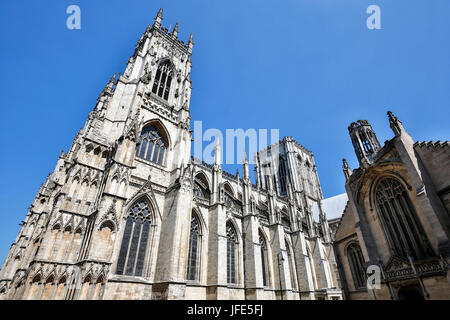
column 364, row 141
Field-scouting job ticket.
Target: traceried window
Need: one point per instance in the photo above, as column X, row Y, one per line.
column 151, row 145
column 231, row 253
column 163, row 80
column 356, row 262
column 194, row 250
column 282, row 176
column 403, row 229
column 264, row 265
column 135, row 240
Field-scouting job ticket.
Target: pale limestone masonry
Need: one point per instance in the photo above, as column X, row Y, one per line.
column 420, row 172
column 76, row 240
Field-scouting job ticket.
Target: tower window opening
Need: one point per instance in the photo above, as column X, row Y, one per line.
column 163, row 80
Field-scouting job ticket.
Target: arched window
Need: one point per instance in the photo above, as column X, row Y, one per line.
column 163, row 79
column 282, row 176
column 194, row 250
column 135, row 239
column 231, row 253
column 151, row 145
column 264, row 263
column 404, row 231
column 356, row 262
column 201, row 189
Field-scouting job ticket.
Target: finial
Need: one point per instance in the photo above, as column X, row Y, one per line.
column 158, row 18
column 396, row 125
column 191, row 41
column 217, row 153
column 346, row 168
column 175, row 30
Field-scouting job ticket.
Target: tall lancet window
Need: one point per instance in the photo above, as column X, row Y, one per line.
column 356, row 262
column 264, row 264
column 231, row 253
column 194, row 250
column 282, row 176
column 403, row 229
column 135, row 240
column 163, row 80
column 151, row 145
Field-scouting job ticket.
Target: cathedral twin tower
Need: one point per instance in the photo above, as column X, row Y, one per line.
column 129, row 214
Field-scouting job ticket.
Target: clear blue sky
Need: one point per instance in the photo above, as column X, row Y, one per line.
column 307, row 67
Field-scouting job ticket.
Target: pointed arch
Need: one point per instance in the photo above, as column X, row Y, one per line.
column 136, row 238
column 264, row 257
column 164, row 77
column 227, row 187
column 201, row 186
column 153, row 142
column 194, row 249
column 232, row 252
column 400, row 222
column 357, row 264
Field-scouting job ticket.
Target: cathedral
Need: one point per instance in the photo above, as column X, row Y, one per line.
column 397, row 219
column 128, row 213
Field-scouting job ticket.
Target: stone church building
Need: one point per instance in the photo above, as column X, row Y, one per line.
column 397, row 219
column 129, row 214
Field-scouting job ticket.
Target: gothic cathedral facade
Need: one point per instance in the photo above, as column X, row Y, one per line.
column 129, row 214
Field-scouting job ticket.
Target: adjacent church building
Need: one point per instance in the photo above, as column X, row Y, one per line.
column 397, row 219
column 129, row 214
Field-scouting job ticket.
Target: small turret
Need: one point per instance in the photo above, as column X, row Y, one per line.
column 364, row 141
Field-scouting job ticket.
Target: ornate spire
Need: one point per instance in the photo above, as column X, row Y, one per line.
column 346, row 168
column 396, row 125
column 175, row 30
column 217, row 153
column 158, row 18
